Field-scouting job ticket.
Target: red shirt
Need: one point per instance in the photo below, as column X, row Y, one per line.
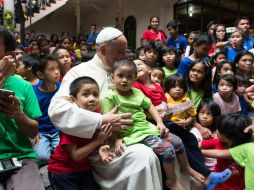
column 236, row 181
column 158, row 36
column 61, row 162
column 156, row 94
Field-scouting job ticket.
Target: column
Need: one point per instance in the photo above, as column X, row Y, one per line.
column 9, row 14
column 120, row 18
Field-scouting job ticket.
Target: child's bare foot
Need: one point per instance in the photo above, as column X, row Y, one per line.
column 175, row 186
column 198, row 176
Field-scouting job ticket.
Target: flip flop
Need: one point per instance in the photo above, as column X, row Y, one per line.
column 218, row 177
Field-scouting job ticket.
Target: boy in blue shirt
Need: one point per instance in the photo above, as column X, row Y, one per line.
column 48, row 71
column 176, row 40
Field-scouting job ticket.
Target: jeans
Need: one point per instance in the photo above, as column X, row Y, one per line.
column 42, row 148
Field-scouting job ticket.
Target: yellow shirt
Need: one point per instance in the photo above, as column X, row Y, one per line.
column 184, row 115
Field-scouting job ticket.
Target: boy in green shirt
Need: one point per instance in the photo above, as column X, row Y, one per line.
column 17, row 122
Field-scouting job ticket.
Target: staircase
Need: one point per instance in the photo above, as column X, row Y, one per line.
column 43, row 13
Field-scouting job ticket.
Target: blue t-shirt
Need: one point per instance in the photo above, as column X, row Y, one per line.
column 45, row 125
column 180, row 43
column 184, row 66
column 232, row 53
column 244, row 106
column 248, row 43
column 90, row 37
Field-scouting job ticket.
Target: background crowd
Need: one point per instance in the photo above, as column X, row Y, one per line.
column 206, row 75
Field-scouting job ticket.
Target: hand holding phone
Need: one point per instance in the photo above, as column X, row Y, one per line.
column 5, row 95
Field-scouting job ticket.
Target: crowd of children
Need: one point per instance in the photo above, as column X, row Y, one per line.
column 204, row 76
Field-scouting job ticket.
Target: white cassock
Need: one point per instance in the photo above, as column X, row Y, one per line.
column 138, row 168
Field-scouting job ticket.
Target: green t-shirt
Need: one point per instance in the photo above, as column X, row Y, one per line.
column 135, row 104
column 197, row 96
column 13, row 142
column 168, row 71
column 244, row 156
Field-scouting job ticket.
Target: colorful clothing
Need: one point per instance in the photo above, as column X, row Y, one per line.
column 180, row 43
column 83, row 123
column 197, row 96
column 190, row 112
column 13, row 142
column 227, row 107
column 169, row 72
column 61, row 161
column 236, row 181
column 156, row 93
column 184, row 65
column 44, row 98
column 135, row 104
column 232, row 53
column 152, row 36
column 244, row 156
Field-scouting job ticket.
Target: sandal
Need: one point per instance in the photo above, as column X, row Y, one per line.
column 218, row 177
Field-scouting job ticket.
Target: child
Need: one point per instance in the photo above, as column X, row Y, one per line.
column 66, row 43
column 69, row 166
column 131, row 100
column 34, row 50
column 225, row 97
column 217, row 58
column 171, row 60
column 243, row 83
column 64, row 59
column 223, row 68
column 199, row 81
column 236, row 39
column 208, row 113
column 24, row 69
column 244, row 63
column 230, row 134
column 151, row 54
column 219, row 38
column 176, row 40
column 43, row 45
column 175, row 87
column 191, row 37
column 201, row 47
column 157, row 75
column 47, row 70
column 144, row 83
column 140, row 53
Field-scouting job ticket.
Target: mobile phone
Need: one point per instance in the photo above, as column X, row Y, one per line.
column 5, row 94
column 10, row 164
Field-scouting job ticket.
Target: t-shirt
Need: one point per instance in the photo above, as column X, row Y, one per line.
column 156, row 94
column 44, row 98
column 227, row 107
column 232, row 53
column 134, row 104
column 184, row 66
column 197, row 96
column 236, row 181
column 91, row 38
column 248, row 43
column 13, row 142
column 191, row 111
column 169, row 72
column 180, row 43
column 244, row 106
column 244, row 156
column 61, row 162
column 152, row 36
